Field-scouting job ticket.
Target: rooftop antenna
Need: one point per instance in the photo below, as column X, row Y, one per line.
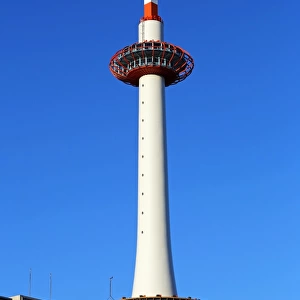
column 110, row 289
column 30, row 279
column 50, row 286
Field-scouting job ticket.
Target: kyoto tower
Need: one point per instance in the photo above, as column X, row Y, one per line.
column 152, row 64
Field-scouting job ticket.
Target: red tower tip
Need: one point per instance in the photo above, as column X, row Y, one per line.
column 150, row 8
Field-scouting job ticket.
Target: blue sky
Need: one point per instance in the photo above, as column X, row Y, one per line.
column 68, row 149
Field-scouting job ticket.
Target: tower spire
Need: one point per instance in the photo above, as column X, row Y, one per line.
column 150, row 8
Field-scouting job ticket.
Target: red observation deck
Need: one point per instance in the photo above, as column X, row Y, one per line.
column 151, row 57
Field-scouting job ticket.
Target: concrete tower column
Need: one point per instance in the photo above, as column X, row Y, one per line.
column 154, row 268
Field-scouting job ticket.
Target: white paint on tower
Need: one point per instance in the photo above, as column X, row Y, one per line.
column 153, row 1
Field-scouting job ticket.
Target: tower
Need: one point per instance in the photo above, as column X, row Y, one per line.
column 152, row 64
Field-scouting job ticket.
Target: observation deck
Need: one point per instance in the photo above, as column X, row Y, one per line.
column 151, row 57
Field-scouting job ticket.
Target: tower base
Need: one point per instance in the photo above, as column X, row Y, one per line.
column 159, row 297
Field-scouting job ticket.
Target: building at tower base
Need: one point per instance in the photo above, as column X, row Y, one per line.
column 18, row 297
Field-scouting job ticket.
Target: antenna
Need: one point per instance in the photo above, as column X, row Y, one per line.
column 50, row 286
column 110, row 289
column 30, row 279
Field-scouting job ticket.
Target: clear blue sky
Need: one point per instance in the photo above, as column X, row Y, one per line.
column 68, row 149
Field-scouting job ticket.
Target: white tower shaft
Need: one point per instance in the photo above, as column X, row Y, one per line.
column 154, row 268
